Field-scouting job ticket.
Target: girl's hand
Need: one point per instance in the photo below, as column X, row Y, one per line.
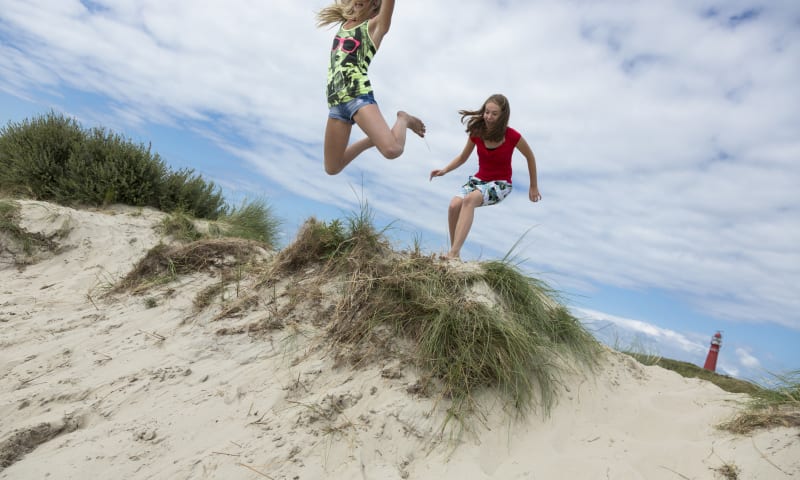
column 436, row 173
column 534, row 194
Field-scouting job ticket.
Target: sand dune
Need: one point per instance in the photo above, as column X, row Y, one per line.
column 125, row 386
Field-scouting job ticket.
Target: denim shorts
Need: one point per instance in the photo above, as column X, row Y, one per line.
column 492, row 192
column 345, row 111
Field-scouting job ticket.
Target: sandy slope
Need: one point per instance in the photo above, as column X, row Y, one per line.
column 95, row 386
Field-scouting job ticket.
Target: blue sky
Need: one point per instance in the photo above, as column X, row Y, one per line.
column 667, row 137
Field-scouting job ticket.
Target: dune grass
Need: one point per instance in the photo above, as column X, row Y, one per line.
column 253, row 220
column 471, row 327
column 777, row 406
column 165, row 263
column 181, row 227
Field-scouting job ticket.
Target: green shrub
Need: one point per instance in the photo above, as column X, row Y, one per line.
column 53, row 158
column 188, row 192
column 105, row 168
column 34, row 154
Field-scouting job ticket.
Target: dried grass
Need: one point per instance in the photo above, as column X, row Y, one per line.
column 164, row 263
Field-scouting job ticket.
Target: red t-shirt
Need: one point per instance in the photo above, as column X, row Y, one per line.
column 495, row 163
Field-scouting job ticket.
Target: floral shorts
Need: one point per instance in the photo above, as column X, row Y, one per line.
column 493, row 192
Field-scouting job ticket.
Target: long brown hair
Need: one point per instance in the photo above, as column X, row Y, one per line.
column 341, row 11
column 476, row 125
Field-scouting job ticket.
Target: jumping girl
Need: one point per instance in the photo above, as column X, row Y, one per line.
column 363, row 24
column 488, row 129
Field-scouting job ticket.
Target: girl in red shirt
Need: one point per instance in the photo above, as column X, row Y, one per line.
column 488, row 129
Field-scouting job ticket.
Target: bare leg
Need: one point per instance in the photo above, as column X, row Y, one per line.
column 452, row 217
column 390, row 142
column 337, row 135
column 465, row 218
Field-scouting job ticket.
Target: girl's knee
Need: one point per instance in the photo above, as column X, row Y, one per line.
column 332, row 171
column 392, row 151
column 333, row 168
column 474, row 199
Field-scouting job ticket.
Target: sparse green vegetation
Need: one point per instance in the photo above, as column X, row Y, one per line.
column 252, row 221
column 777, row 406
column 690, row 370
column 181, row 227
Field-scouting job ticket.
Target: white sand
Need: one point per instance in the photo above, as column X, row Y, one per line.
column 104, row 387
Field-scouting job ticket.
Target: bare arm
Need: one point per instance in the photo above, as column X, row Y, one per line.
column 525, row 150
column 456, row 162
column 379, row 25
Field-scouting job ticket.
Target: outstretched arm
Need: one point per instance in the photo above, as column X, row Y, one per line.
column 456, row 162
column 379, row 25
column 525, row 149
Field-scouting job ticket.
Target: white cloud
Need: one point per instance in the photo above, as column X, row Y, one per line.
column 633, row 331
column 747, row 359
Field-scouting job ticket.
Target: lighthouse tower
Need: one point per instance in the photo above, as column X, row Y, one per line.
column 713, row 352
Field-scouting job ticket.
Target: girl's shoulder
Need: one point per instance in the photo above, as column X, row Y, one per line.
column 512, row 134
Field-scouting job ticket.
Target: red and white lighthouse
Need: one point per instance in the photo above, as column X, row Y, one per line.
column 713, row 352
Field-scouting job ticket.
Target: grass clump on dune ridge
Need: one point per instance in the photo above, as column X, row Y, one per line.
column 470, row 326
column 337, row 245
column 164, row 263
column 251, row 221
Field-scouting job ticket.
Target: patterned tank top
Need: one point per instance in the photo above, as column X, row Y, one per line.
column 351, row 54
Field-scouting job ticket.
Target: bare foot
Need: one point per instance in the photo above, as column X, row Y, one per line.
column 453, row 256
column 414, row 123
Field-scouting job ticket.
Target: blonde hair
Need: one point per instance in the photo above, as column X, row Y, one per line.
column 341, row 11
column 476, row 125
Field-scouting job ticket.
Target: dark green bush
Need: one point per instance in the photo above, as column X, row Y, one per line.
column 190, row 193
column 53, row 158
column 105, row 168
column 34, row 154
